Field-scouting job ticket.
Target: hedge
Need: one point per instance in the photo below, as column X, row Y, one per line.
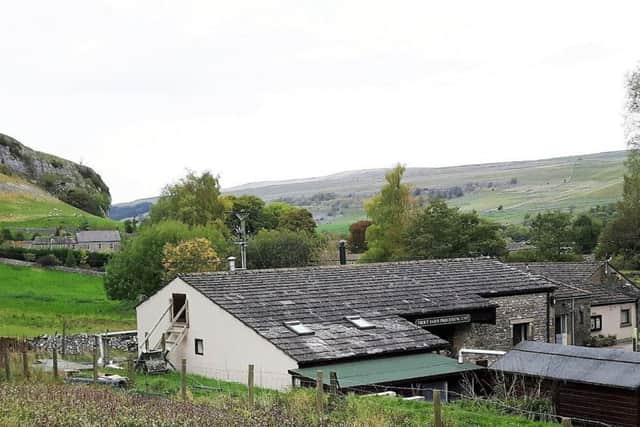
column 94, row 259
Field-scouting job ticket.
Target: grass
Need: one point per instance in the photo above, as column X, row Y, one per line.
column 34, row 301
column 25, row 205
column 43, row 401
column 340, row 225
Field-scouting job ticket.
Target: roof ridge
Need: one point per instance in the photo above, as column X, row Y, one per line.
column 343, row 266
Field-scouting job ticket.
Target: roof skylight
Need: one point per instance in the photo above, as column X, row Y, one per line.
column 359, row 322
column 298, row 327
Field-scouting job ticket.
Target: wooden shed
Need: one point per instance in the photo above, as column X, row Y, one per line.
column 588, row 383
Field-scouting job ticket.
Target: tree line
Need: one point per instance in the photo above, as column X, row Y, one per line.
column 193, row 228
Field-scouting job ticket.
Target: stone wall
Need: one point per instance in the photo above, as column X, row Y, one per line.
column 581, row 322
column 529, row 308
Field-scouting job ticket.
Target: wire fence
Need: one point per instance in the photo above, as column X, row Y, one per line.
column 17, row 360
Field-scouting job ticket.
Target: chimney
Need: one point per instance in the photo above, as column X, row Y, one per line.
column 343, row 252
column 232, row 263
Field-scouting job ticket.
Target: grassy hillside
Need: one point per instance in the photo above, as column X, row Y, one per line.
column 73, row 183
column 25, row 205
column 504, row 192
column 34, row 301
column 501, row 191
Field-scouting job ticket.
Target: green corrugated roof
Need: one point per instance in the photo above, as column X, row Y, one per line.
column 384, row 370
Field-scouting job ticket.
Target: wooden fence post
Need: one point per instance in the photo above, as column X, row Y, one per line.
column 25, row 364
column 163, row 343
column 132, row 372
column 250, row 385
column 437, row 409
column 319, row 393
column 333, row 379
column 146, row 342
column 7, row 365
column 183, row 380
column 55, row 362
column 95, row 360
column 566, row 422
column 64, row 338
column 333, row 390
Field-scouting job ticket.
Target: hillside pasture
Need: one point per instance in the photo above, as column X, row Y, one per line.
column 504, row 192
column 34, row 301
column 25, row 205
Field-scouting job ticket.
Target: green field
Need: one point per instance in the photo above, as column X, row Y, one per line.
column 35, row 301
column 25, row 205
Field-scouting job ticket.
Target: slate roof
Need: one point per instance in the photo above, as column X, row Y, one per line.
column 607, row 367
column 565, row 272
column 98, row 236
column 321, row 297
column 572, row 276
column 54, row 240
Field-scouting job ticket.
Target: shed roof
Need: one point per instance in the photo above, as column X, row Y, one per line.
column 382, row 293
column 388, row 369
column 98, row 236
column 607, row 367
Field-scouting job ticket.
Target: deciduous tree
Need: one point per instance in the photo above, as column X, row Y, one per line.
column 389, row 212
column 551, row 234
column 357, row 236
column 137, row 269
column 298, row 220
column 283, row 248
column 621, row 236
column 194, row 200
column 439, row 231
column 189, row 256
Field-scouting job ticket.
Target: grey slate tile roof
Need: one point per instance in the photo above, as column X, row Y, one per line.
column 608, row 367
column 321, row 297
column 98, row 236
column 579, row 275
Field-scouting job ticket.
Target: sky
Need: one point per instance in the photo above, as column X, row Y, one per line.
column 268, row 90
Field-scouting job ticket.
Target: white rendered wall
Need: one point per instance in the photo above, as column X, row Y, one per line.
column 229, row 345
column 611, row 320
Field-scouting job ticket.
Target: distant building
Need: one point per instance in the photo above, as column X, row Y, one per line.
column 92, row 241
column 53, row 242
column 98, row 240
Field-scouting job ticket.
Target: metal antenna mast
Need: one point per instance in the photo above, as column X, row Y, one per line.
column 242, row 216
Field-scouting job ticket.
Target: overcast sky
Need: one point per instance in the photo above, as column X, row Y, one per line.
column 142, row 90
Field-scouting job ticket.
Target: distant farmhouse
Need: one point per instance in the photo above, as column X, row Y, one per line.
column 92, row 241
column 359, row 317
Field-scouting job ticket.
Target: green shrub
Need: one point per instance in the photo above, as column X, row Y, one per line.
column 48, row 261
column 70, row 261
column 94, row 259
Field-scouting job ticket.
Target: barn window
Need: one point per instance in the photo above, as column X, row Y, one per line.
column 625, row 317
column 298, row 327
column 596, row 323
column 199, row 346
column 360, row 323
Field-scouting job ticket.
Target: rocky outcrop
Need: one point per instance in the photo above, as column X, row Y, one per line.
column 75, row 184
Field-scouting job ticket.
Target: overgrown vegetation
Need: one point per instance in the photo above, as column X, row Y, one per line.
column 68, row 405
